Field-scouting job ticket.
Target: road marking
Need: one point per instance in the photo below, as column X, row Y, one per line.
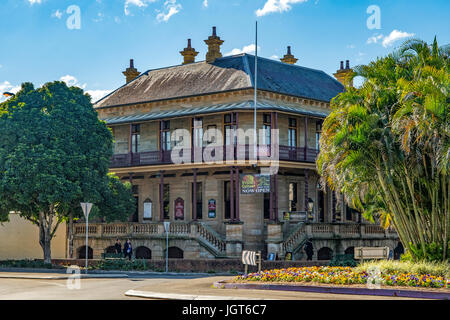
column 173, row 296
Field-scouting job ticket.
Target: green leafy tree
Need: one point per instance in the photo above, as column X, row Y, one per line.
column 116, row 204
column 386, row 146
column 54, row 154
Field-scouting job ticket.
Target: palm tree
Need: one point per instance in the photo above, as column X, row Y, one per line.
column 386, row 145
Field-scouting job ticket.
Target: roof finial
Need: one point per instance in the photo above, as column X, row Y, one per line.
column 131, row 73
column 344, row 76
column 214, row 42
column 288, row 57
column 189, row 53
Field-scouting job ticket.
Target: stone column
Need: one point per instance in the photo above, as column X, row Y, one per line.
column 234, row 239
column 237, row 217
column 271, row 198
column 232, row 194
column 306, row 189
column 274, row 238
column 194, row 197
column 161, row 196
column 306, row 138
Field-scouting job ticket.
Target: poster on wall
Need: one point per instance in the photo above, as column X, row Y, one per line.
column 255, row 183
column 148, row 215
column 212, row 208
column 179, row 209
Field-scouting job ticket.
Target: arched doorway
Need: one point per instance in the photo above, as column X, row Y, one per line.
column 82, row 253
column 324, row 253
column 175, row 253
column 398, row 251
column 143, row 253
column 350, row 251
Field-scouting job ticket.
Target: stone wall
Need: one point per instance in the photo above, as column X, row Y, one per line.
column 206, row 265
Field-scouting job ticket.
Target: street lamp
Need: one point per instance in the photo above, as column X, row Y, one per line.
column 86, row 206
column 167, row 229
column 310, row 209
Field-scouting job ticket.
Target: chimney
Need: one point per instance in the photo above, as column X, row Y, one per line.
column 214, row 42
column 131, row 73
column 344, row 76
column 289, row 58
column 189, row 53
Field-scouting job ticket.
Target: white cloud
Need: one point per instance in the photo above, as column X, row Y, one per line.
column 205, row 3
column 171, row 7
column 57, row 14
column 374, row 39
column 247, row 49
column 98, row 94
column 275, row 57
column 138, row 3
column 71, row 81
column 395, row 36
column 389, row 40
column 100, row 17
column 35, row 1
column 280, row 6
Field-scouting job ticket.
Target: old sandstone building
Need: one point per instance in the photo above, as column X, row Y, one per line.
column 211, row 217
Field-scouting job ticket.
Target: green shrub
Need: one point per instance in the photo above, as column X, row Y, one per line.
column 33, row 264
column 434, row 252
column 438, row 269
column 123, row 265
column 343, row 260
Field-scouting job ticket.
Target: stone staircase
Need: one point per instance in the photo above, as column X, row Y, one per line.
column 211, row 240
column 295, row 240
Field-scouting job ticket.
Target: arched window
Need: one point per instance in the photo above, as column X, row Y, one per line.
column 82, row 253
column 143, row 253
column 324, row 254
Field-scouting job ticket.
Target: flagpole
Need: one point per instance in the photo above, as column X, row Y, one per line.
column 255, row 138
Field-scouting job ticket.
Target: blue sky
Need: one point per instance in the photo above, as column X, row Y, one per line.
column 41, row 40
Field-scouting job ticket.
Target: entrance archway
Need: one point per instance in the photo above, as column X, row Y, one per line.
column 176, row 253
column 143, row 253
column 82, row 253
column 324, row 253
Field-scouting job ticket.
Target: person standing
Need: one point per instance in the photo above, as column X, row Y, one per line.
column 118, row 247
column 309, row 249
column 128, row 249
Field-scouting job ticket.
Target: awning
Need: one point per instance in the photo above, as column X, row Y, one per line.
column 218, row 108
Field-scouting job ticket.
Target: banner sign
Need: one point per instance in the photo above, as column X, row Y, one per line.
column 212, row 209
column 179, row 209
column 255, row 183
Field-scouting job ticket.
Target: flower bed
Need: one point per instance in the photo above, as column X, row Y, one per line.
column 345, row 276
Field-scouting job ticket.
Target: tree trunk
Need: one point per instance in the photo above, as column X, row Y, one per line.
column 45, row 237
